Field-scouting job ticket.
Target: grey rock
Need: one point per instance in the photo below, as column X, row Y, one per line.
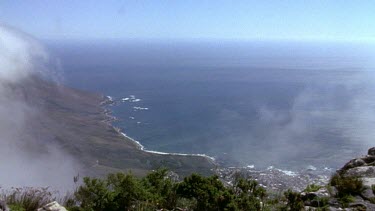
column 358, row 205
column 338, row 209
column 361, row 171
column 353, row 163
column 53, row 206
column 368, row 181
column 321, row 193
column 367, row 193
column 371, row 151
column 368, row 159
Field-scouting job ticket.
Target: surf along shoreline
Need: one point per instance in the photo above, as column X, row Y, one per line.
column 109, row 101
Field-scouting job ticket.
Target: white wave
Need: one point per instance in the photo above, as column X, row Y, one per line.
column 131, row 117
column 131, row 99
column 141, row 147
column 250, row 166
column 139, row 108
column 327, row 169
column 289, row 173
column 286, row 172
column 311, row 167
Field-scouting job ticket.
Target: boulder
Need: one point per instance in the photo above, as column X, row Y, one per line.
column 371, row 151
column 53, row 206
column 368, row 181
column 367, row 193
column 368, row 159
column 321, row 193
column 353, row 163
column 361, row 171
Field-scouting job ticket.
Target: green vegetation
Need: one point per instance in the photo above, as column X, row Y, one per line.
column 348, row 185
column 156, row 191
column 312, row 188
column 159, row 191
column 347, row 188
column 27, row 199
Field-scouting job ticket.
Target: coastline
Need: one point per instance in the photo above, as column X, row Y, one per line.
column 272, row 178
column 141, row 147
column 108, row 101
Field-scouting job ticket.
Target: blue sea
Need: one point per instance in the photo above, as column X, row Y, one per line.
column 291, row 105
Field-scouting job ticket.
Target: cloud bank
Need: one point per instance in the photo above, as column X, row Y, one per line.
column 27, row 159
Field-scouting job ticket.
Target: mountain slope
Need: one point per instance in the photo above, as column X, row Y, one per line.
column 74, row 121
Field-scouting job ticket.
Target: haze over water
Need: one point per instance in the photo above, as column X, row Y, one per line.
column 288, row 104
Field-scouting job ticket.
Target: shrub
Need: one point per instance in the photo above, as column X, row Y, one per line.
column 348, row 185
column 249, row 195
column 312, row 188
column 293, row 201
column 209, row 192
column 16, row 207
column 163, row 189
column 28, row 199
column 94, row 194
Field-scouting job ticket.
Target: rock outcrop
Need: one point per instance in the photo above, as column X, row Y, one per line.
column 53, row 206
column 353, row 189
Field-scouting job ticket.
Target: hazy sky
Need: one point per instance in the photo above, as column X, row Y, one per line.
column 193, row 19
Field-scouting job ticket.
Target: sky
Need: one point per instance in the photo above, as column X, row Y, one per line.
column 193, row 19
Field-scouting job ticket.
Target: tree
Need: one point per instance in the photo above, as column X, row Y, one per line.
column 209, row 192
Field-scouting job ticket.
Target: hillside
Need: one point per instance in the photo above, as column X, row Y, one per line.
column 76, row 122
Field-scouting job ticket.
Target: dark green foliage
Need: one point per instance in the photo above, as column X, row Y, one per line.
column 312, row 188
column 118, row 192
column 293, row 201
column 163, row 189
column 94, row 194
column 16, row 207
column 347, row 185
column 209, row 192
column 157, row 191
column 249, row 195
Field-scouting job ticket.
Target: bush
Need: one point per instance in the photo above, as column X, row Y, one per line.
column 293, row 201
column 28, row 199
column 156, row 191
column 163, row 189
column 208, row 192
column 249, row 195
column 347, row 185
column 94, row 194
column 16, row 207
column 312, row 188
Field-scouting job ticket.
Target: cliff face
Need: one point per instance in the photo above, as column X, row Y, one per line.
column 75, row 122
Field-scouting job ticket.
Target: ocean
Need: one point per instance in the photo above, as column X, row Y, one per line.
column 290, row 105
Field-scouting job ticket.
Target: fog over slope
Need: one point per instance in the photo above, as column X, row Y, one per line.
column 27, row 158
